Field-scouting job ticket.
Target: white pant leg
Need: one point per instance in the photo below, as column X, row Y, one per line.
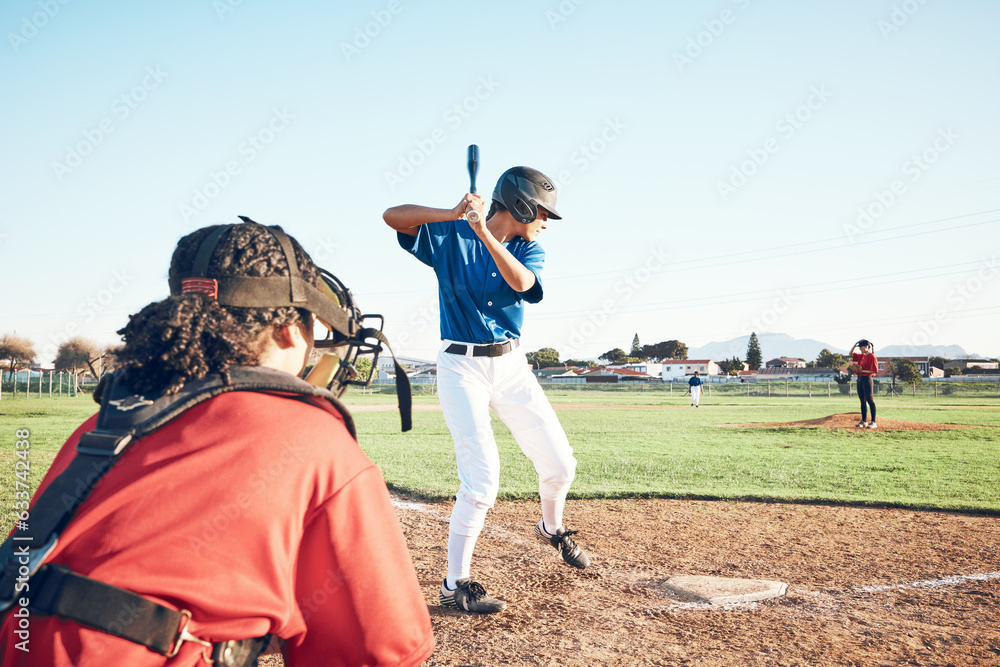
column 695, row 394
column 464, row 390
column 522, row 405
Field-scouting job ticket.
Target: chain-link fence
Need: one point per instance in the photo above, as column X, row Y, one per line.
column 787, row 388
column 47, row 384
column 759, row 388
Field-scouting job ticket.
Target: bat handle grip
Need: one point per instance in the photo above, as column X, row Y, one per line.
column 472, row 216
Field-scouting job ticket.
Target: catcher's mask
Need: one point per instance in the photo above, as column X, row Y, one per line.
column 522, row 190
column 338, row 321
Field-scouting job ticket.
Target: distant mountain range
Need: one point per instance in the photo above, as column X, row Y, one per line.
column 773, row 345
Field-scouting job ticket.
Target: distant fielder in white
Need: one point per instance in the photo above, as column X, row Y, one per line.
column 695, row 384
column 487, row 269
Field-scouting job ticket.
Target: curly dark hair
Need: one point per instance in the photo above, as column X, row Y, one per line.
column 187, row 337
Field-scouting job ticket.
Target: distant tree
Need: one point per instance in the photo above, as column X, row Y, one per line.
column 938, row 362
column 363, row 365
column 580, row 363
column 676, row 350
column 668, row 349
column 109, row 360
column 615, row 356
column 904, row 370
column 546, row 357
column 949, row 372
column 636, row 350
column 828, row 359
column 651, row 352
column 78, row 355
column 731, row 366
column 754, row 358
column 17, row 351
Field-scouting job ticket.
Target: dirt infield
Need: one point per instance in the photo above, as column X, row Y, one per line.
column 850, row 420
column 866, row 586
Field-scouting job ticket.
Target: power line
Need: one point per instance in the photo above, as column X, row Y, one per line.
column 772, row 256
column 729, row 258
column 740, row 297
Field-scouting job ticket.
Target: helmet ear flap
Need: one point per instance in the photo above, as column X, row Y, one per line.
column 522, row 210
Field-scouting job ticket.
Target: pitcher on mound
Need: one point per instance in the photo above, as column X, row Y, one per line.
column 486, row 272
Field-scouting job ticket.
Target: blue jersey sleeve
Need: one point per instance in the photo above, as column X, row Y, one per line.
column 533, row 258
column 428, row 240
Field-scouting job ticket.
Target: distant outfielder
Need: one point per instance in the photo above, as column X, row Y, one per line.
column 695, row 384
column 487, row 269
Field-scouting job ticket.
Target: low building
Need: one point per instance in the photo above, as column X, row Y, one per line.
column 385, row 363
column 572, row 375
column 923, row 365
column 798, row 374
column 966, row 364
column 678, row 369
column 613, row 375
column 785, row 362
column 647, row 367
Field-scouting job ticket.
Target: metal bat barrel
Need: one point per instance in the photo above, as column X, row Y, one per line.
column 473, row 166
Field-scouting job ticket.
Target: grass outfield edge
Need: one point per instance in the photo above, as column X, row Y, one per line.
column 772, row 500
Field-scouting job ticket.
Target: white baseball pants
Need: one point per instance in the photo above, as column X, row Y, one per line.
column 467, row 388
column 695, row 394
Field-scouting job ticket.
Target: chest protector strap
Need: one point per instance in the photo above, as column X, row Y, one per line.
column 125, row 418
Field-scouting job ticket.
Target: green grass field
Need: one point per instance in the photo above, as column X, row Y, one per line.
column 651, row 444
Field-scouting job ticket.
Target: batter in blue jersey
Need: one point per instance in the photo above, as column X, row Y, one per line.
column 487, row 270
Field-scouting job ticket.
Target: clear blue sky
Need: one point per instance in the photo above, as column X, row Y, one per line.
column 713, row 158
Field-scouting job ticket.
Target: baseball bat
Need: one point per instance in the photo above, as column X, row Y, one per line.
column 473, row 216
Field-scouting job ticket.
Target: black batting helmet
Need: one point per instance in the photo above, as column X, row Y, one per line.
column 522, row 190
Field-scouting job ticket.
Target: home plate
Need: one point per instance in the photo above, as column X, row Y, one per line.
column 720, row 590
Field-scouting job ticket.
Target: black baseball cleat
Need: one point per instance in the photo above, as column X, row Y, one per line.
column 469, row 595
column 564, row 544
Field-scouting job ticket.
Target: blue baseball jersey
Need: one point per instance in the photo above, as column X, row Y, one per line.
column 695, row 381
column 476, row 303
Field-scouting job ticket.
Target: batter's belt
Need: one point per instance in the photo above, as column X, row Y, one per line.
column 493, row 350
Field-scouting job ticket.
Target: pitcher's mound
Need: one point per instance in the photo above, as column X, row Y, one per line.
column 850, row 419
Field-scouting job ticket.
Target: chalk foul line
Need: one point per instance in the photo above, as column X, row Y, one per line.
column 932, row 583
